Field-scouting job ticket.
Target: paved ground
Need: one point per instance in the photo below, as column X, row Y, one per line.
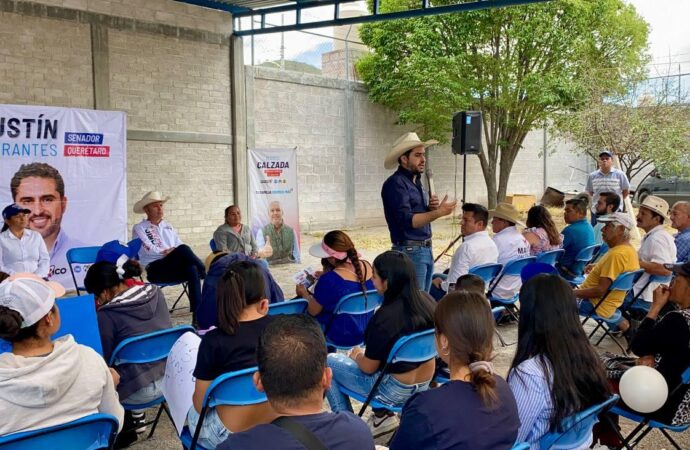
column 370, row 242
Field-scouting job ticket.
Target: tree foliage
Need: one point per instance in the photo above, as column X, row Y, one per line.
column 646, row 128
column 518, row 65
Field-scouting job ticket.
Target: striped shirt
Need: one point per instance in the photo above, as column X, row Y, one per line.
column 598, row 182
column 532, row 393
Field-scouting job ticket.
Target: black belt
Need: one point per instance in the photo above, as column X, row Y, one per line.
column 424, row 243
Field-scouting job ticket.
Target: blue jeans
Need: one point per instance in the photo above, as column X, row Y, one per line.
column 423, row 261
column 213, row 432
column 144, row 395
column 346, row 373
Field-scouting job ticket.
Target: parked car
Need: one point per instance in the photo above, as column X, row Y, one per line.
column 671, row 189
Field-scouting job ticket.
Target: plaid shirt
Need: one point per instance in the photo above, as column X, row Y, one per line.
column 683, row 245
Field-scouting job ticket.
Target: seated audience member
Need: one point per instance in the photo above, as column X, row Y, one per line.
column 620, row 258
column 279, row 237
column 541, row 231
column 680, row 220
column 555, row 371
column 216, row 265
column 477, row 248
column 21, row 250
column 608, row 203
column 511, row 245
column 294, row 375
column 242, row 316
column 657, row 248
column 576, row 236
column 664, row 343
column 233, row 236
column 45, row 382
column 405, row 310
column 475, row 409
column 162, row 253
column 472, row 283
column 124, row 311
column 350, row 275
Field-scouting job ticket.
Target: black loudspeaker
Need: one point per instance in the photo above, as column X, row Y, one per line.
column 467, row 133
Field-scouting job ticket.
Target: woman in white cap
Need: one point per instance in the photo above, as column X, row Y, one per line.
column 349, row 275
column 45, row 382
column 21, row 250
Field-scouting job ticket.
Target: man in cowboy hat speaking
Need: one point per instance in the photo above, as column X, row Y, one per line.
column 409, row 210
column 162, row 253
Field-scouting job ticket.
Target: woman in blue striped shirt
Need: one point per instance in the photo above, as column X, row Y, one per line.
column 556, row 371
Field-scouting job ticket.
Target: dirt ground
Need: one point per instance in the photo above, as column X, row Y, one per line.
column 370, row 242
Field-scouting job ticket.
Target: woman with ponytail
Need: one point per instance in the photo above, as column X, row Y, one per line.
column 475, row 409
column 125, row 310
column 350, row 274
column 242, row 316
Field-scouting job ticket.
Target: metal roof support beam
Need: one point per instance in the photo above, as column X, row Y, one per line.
column 376, row 16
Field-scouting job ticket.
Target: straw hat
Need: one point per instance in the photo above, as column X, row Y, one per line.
column 656, row 204
column 147, row 199
column 406, row 142
column 508, row 212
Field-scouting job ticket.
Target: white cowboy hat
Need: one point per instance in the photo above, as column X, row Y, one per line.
column 656, row 204
column 508, row 212
column 147, row 199
column 406, row 142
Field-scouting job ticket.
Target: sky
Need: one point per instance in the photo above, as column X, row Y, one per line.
column 669, row 37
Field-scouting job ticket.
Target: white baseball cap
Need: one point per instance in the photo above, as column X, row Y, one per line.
column 30, row 296
column 620, row 218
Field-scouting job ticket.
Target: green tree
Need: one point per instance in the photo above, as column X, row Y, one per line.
column 647, row 127
column 518, row 65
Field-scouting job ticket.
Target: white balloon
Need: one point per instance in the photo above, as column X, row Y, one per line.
column 643, row 389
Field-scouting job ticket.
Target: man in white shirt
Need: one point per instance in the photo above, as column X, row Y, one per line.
column 511, row 245
column 162, row 253
column 21, row 250
column 657, row 248
column 477, row 248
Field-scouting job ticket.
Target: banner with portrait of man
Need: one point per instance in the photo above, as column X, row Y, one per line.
column 68, row 168
column 273, row 204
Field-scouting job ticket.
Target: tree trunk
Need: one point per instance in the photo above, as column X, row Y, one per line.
column 489, row 171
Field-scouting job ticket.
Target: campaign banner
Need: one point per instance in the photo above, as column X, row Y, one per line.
column 273, row 204
column 68, row 167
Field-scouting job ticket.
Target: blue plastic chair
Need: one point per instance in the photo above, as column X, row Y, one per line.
column 416, row 347
column 520, row 446
column 233, row 388
column 355, row 304
column 487, row 272
column 295, row 306
column 624, row 282
column 137, row 242
column 212, row 244
column 631, row 306
column 511, row 268
column 576, row 429
column 646, row 424
column 551, row 257
column 148, row 348
column 81, row 255
column 583, row 257
column 92, row 432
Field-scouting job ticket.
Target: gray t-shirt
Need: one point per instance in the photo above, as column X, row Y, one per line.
column 598, row 182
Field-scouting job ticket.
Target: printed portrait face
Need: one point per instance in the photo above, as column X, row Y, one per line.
column 47, row 206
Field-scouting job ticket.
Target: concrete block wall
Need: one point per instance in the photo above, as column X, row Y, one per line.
column 164, row 63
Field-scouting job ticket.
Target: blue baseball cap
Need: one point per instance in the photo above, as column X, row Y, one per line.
column 111, row 251
column 605, row 152
column 12, row 210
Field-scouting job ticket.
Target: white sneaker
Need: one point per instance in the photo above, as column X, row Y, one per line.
column 382, row 425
